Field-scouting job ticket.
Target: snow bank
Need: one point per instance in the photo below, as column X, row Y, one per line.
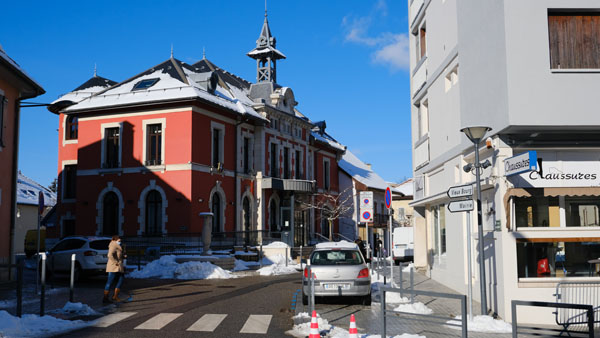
column 416, row 307
column 167, row 268
column 240, row 265
column 76, row 309
column 483, row 324
column 36, row 326
column 277, row 269
column 276, row 245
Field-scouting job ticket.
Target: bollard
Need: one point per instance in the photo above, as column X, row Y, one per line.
column 312, row 291
column 260, row 254
column 43, row 294
column 412, row 286
column 20, row 288
column 72, row 278
column 300, row 257
column 401, row 287
column 286, row 257
column 383, row 319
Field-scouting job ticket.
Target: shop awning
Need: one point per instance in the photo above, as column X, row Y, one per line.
column 545, row 192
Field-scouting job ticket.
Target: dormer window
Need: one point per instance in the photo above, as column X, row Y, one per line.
column 145, row 84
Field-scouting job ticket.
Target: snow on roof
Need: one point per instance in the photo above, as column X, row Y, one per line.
column 325, row 138
column 264, row 50
column 340, row 244
column 360, row 171
column 28, row 189
column 405, row 188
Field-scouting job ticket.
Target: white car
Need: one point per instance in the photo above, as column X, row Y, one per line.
column 339, row 270
column 90, row 256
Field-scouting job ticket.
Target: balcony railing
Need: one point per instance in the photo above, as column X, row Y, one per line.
column 288, row 184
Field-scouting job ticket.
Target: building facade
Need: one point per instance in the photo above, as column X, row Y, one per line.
column 528, row 70
column 15, row 86
column 146, row 156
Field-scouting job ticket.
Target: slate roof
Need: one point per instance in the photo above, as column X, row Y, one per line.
column 96, row 81
column 87, row 89
column 361, row 172
column 28, row 190
column 319, row 134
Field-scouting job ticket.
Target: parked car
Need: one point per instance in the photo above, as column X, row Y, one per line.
column 90, row 256
column 31, row 242
column 403, row 244
column 339, row 269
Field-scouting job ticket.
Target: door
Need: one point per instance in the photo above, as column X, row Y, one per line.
column 300, row 225
column 286, row 224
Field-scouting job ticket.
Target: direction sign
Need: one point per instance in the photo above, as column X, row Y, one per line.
column 459, row 206
column 460, row 191
column 388, row 197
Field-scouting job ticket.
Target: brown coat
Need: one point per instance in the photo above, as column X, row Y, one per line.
column 115, row 258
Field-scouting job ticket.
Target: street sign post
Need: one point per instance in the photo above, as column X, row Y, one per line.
column 388, row 197
column 460, row 191
column 460, row 206
column 366, row 212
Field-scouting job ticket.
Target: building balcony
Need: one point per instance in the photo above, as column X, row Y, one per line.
column 288, row 184
column 419, row 77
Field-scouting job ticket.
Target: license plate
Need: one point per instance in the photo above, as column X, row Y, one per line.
column 336, row 286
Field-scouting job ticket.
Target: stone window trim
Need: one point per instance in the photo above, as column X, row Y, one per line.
column 100, row 208
column 163, row 124
column 142, row 207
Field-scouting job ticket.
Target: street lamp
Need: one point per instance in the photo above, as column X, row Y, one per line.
column 476, row 134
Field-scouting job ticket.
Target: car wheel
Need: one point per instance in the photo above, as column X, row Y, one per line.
column 367, row 300
column 304, row 299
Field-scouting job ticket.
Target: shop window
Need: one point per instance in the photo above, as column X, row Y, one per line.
column 582, row 211
column 558, row 258
column 537, row 211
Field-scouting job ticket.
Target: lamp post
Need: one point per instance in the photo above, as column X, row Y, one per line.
column 476, row 134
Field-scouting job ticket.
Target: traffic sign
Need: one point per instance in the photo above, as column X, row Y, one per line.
column 460, row 191
column 366, row 217
column 40, row 202
column 366, row 206
column 388, row 197
column 459, row 206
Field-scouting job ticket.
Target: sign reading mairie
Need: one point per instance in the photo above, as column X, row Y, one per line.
column 520, row 163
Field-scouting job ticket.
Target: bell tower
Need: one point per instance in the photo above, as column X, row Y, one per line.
column 266, row 55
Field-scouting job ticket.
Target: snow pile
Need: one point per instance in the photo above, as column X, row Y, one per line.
column 483, row 324
column 303, row 330
column 275, row 265
column 404, row 335
column 416, row 307
column 167, row 268
column 76, row 309
column 36, row 326
column 276, row 245
column 240, row 265
column 408, row 267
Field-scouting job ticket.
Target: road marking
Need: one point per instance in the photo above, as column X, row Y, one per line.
column 158, row 322
column 109, row 320
column 257, row 324
column 208, row 323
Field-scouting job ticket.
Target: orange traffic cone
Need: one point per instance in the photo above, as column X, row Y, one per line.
column 353, row 332
column 314, row 326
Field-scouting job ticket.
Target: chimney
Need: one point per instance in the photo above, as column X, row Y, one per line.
column 368, row 165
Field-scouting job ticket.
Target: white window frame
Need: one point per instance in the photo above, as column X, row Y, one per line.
column 103, row 127
column 221, row 127
column 63, row 183
column 163, row 127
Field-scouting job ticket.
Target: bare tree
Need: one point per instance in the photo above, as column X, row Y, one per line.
column 331, row 206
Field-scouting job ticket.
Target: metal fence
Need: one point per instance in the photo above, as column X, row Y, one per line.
column 588, row 310
column 422, row 317
column 587, row 293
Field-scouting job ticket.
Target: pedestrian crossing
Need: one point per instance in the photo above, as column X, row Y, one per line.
column 255, row 324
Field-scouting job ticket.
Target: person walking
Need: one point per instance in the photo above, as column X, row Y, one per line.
column 115, row 268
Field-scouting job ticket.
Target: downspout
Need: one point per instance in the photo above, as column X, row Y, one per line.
column 15, row 168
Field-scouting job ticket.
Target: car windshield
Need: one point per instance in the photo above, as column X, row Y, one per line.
column 336, row 257
column 100, row 244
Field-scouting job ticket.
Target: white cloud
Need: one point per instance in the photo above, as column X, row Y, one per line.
column 391, row 49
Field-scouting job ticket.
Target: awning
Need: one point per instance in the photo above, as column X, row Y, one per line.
column 545, row 192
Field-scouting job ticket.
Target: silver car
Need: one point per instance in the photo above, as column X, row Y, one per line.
column 90, row 255
column 339, row 269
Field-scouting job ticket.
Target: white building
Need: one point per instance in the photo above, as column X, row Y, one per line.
column 530, row 70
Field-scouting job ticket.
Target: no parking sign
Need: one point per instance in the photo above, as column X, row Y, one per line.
column 366, row 206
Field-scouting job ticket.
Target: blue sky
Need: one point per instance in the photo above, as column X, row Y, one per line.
column 347, row 61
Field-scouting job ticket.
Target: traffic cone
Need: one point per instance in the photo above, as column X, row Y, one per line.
column 314, row 326
column 353, row 332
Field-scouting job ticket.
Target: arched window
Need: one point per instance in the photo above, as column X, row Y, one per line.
column 71, row 128
column 273, row 221
column 110, row 224
column 153, row 213
column 216, row 210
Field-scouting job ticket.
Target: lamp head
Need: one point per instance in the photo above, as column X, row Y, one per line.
column 468, row 167
column 475, row 134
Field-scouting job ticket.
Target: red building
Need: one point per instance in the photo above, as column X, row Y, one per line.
column 15, row 86
column 145, row 156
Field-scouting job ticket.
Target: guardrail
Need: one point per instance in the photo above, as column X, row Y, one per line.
column 588, row 308
column 423, row 317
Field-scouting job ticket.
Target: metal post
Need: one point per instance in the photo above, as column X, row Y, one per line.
column 590, row 315
column 382, row 293
column 286, row 257
column 463, row 310
column 37, row 268
column 43, row 294
column 20, row 289
column 312, row 292
column 513, row 311
column 300, row 257
column 368, row 247
column 391, row 249
column 412, row 285
column 480, row 230
column 139, row 256
column 401, row 287
column 72, row 278
column 470, row 273
column 260, row 253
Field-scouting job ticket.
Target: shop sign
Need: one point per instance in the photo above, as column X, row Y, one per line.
column 552, row 171
column 520, row 163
